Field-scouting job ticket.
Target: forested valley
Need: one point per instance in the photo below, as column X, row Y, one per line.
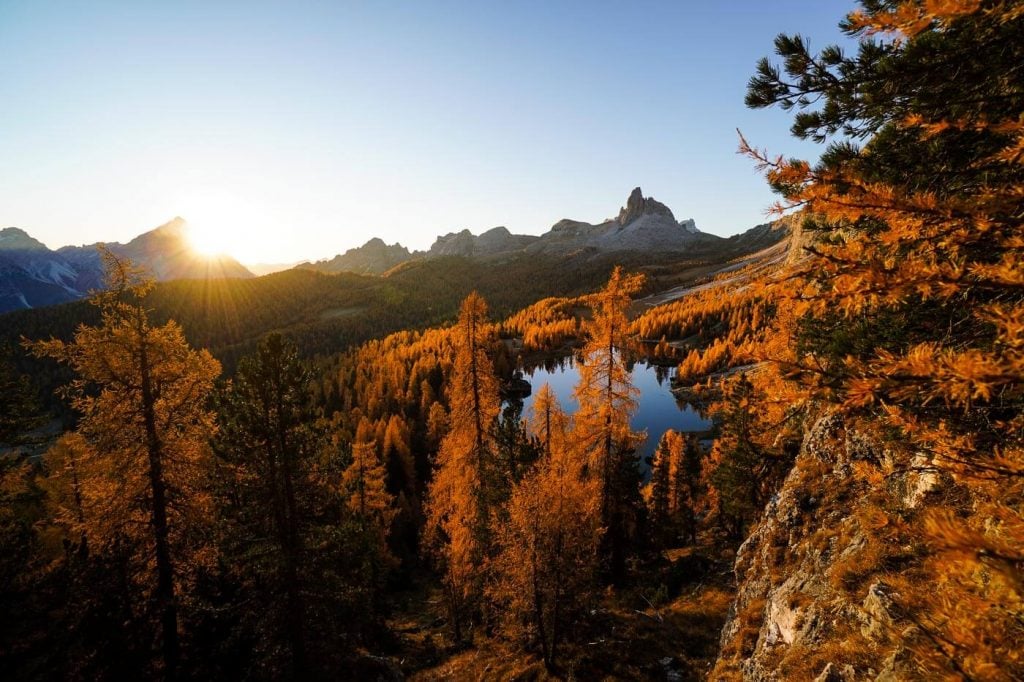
column 308, row 476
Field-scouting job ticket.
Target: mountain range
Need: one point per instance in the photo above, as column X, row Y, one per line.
column 642, row 225
column 32, row 275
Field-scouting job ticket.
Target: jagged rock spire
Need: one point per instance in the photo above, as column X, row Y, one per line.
column 637, row 206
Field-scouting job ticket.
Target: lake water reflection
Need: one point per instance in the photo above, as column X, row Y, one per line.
column 657, row 410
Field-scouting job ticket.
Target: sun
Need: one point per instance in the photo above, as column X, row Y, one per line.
column 219, row 224
column 208, row 242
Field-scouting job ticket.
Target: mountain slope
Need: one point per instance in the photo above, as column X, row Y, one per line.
column 166, row 252
column 32, row 275
column 373, row 257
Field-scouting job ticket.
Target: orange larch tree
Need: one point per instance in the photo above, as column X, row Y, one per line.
column 457, row 516
column 364, row 485
column 672, row 491
column 66, row 465
column 142, row 393
column 607, row 400
column 911, row 302
column 547, row 559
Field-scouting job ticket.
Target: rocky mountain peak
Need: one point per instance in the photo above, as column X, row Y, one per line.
column 638, row 206
column 373, row 257
column 378, row 247
column 16, row 239
column 494, row 232
column 689, row 226
column 495, row 239
column 176, row 226
column 453, row 244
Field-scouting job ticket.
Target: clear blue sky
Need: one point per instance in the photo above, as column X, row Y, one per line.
column 296, row 130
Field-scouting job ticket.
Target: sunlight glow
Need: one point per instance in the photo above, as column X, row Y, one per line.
column 208, row 242
column 220, row 224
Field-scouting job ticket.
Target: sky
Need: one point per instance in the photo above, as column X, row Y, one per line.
column 296, row 130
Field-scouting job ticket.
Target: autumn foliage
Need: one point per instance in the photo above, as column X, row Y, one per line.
column 607, row 400
column 250, row 527
column 458, row 510
column 547, row 558
column 907, row 308
column 136, row 470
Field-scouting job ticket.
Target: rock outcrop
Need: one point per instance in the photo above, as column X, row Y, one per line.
column 500, row 240
column 373, row 257
column 637, row 206
column 493, row 242
column 812, row 601
column 643, row 224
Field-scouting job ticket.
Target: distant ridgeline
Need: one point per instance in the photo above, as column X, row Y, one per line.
column 643, row 226
column 33, row 276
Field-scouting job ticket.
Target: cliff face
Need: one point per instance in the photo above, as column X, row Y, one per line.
column 817, row 581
